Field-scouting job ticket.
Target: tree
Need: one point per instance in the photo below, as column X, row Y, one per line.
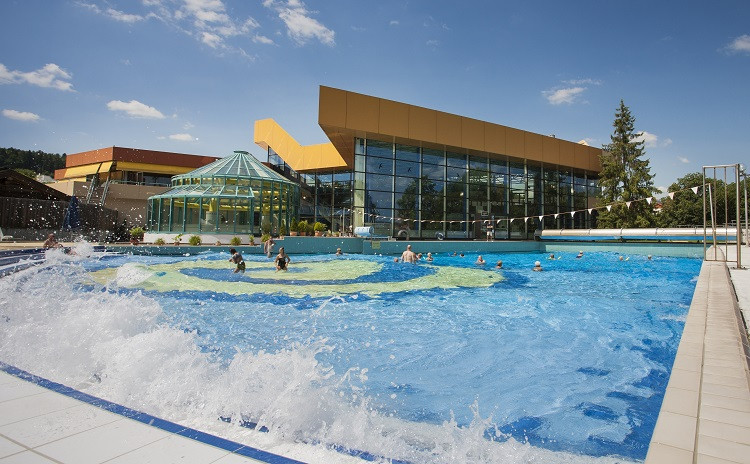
column 685, row 208
column 625, row 176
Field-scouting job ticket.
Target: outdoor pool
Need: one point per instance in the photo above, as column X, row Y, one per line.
column 435, row 362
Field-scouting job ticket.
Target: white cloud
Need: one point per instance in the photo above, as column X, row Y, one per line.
column 205, row 20
column 394, row 22
column 182, row 137
column 583, row 82
column 123, row 17
column 559, row 96
column 21, row 115
column 432, row 43
column 648, row 139
column 50, row 76
column 739, row 45
column 212, row 40
column 682, row 159
column 262, row 39
column 301, row 27
column 135, row 109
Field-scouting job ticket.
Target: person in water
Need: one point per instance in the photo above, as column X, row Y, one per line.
column 480, row 261
column 499, row 265
column 282, row 259
column 408, row 256
column 537, row 266
column 238, row 260
column 52, row 242
column 429, row 256
column 338, row 252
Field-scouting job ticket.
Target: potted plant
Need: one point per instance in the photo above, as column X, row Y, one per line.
column 159, row 241
column 302, row 227
column 195, row 240
column 252, row 240
column 235, row 241
column 319, row 228
column 264, row 238
column 282, row 230
column 177, row 239
column 293, row 227
column 136, row 235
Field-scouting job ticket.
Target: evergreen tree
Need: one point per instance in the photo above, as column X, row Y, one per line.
column 625, row 176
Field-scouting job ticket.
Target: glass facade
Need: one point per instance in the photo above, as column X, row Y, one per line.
column 427, row 193
column 233, row 195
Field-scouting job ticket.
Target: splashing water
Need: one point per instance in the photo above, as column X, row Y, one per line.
column 428, row 363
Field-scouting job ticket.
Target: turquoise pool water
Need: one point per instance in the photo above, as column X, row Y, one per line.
column 446, row 361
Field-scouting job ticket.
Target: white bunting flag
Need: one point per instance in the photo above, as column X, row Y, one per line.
column 627, row 203
column 648, row 200
column 609, row 207
column 540, row 218
column 572, row 214
column 590, row 210
column 556, row 214
column 671, row 195
column 695, row 190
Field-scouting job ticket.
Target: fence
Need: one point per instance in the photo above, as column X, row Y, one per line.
column 31, row 219
column 711, row 176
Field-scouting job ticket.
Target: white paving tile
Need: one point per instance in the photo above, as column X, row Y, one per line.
column 7, row 447
column 173, row 449
column 19, row 389
column 103, row 443
column 46, row 428
column 27, row 457
column 32, row 406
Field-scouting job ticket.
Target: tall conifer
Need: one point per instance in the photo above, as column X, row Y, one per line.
column 625, row 176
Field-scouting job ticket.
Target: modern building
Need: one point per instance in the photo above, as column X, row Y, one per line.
column 123, row 179
column 235, row 195
column 423, row 173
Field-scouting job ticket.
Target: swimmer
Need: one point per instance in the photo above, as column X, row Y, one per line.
column 580, row 254
column 338, row 252
column 648, row 257
column 429, row 256
column 480, row 261
column 237, row 259
column 419, row 256
column 454, row 254
column 282, row 259
column 462, row 254
column 395, row 260
column 408, row 256
column 537, row 266
column 551, row 256
column 499, row 265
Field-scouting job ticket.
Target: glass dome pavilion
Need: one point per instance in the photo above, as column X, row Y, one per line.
column 232, row 195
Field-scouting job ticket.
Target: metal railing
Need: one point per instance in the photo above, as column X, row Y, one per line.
column 710, row 203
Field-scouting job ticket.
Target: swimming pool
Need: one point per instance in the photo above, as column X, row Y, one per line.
column 441, row 362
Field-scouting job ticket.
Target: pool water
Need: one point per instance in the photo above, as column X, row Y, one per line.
column 446, row 361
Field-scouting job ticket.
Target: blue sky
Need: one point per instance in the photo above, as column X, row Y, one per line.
column 191, row 76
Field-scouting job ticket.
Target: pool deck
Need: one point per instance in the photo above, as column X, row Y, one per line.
column 705, row 416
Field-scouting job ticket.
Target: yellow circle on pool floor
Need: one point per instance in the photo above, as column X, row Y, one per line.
column 322, row 278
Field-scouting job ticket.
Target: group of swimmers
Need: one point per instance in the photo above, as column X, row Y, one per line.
column 281, row 260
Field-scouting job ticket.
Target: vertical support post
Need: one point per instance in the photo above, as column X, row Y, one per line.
column 747, row 226
column 713, row 223
column 739, row 225
column 704, row 212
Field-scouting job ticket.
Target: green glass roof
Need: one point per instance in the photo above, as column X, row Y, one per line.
column 240, row 164
column 222, row 178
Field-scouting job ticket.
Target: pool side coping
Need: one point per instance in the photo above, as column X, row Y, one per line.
column 705, row 414
column 149, row 420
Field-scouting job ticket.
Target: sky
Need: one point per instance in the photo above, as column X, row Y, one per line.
column 191, row 76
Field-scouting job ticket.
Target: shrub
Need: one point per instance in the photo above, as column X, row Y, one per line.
column 302, row 226
column 293, row 225
column 252, row 239
column 195, row 240
column 264, row 238
column 265, row 226
column 282, row 230
column 159, row 241
column 137, row 233
column 319, row 227
column 236, row 241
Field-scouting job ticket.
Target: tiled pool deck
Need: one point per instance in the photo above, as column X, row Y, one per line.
column 705, row 416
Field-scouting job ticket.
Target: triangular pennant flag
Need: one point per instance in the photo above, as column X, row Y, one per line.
column 695, row 190
column 627, row 203
column 648, row 200
column 609, row 207
column 526, row 219
column 540, row 218
column 498, row 221
column 671, row 195
column 590, row 210
column 572, row 214
column 556, row 214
